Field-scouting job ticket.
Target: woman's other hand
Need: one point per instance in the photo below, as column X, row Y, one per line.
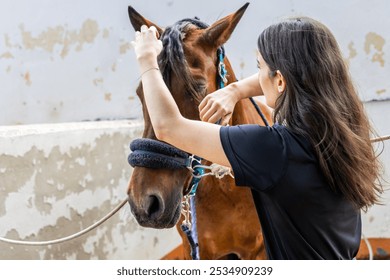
column 219, row 105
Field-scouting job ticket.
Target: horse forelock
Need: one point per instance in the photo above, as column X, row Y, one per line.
column 172, row 58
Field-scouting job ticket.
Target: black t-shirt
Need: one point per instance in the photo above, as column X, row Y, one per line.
column 301, row 217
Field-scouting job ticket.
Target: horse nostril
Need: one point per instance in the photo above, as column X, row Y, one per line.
column 153, row 206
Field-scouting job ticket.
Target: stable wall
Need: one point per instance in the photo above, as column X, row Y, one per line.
column 58, row 179
column 71, row 61
column 63, row 61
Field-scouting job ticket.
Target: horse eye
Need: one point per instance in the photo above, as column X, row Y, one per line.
column 201, row 88
column 196, row 63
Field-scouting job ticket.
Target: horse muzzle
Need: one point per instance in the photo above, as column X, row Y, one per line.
column 154, row 212
column 155, row 191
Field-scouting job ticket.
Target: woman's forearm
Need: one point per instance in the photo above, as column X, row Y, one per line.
column 168, row 123
column 248, row 87
column 160, row 103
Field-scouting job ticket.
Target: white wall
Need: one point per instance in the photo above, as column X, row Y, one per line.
column 65, row 61
column 70, row 61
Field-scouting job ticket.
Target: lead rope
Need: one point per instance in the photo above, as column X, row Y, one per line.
column 188, row 225
column 190, row 228
column 70, row 237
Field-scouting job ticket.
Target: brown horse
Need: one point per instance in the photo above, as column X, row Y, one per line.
column 228, row 226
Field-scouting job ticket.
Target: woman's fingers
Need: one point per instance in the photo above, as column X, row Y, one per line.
column 146, row 41
column 208, row 112
column 154, row 29
column 225, row 120
column 203, row 103
column 217, row 105
column 211, row 109
column 144, row 28
column 214, row 118
column 203, row 111
column 217, row 117
column 215, row 113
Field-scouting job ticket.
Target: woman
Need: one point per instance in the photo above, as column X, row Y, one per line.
column 313, row 171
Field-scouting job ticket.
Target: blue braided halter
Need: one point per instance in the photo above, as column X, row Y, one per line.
column 222, row 72
column 192, row 234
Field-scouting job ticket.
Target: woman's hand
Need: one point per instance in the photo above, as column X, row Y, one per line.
column 219, row 105
column 147, row 47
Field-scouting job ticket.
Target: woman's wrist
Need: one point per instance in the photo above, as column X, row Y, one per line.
column 235, row 92
column 246, row 88
column 147, row 61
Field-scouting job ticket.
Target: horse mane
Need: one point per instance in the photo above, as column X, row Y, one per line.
column 172, row 58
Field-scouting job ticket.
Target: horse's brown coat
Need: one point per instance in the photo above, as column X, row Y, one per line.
column 226, row 217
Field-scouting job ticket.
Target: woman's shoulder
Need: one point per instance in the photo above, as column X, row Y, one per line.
column 256, row 153
column 298, row 144
column 252, row 134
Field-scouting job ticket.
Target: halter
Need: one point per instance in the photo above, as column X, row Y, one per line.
column 155, row 154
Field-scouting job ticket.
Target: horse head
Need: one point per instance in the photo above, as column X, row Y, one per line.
column 189, row 65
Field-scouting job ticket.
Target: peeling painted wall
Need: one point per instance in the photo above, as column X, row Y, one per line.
column 72, row 60
column 64, row 61
column 58, row 179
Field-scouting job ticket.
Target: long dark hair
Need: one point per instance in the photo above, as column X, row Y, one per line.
column 321, row 103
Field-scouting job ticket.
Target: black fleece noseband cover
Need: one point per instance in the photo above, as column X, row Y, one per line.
column 156, row 154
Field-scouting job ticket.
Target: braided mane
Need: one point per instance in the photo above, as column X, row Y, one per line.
column 172, row 60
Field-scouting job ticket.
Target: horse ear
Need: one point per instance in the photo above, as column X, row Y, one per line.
column 137, row 21
column 219, row 32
